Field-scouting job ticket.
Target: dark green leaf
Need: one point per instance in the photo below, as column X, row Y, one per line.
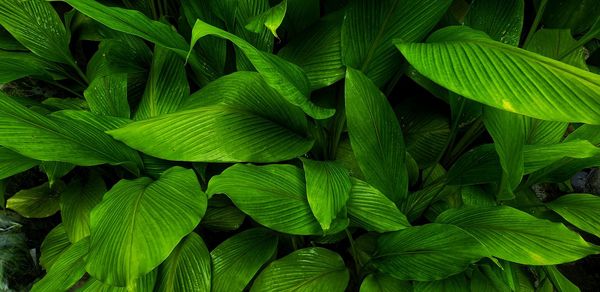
column 76, row 202
column 12, row 163
column 581, row 210
column 188, row 268
column 67, row 270
column 107, row 96
column 37, row 202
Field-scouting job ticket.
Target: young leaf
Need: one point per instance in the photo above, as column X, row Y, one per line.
column 581, row 210
column 36, row 25
column 318, row 51
column 37, row 202
column 12, row 163
column 506, row 77
column 286, row 78
column 68, row 269
column 379, row 282
column 68, row 136
column 426, row 253
column 516, row 236
column 373, row 211
column 508, row 131
column 77, row 201
column 139, row 222
column 327, row 189
column 271, row 19
column 237, row 259
column 167, row 85
column 247, row 122
column 375, row 136
column 188, row 268
column 273, row 195
column 107, row 96
column 370, row 26
column 308, row 269
column 55, row 243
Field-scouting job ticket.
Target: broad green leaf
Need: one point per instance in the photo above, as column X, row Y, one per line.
column 68, row 136
column 581, row 210
column 139, row 222
column 554, row 43
column 55, row 243
column 506, row 77
column 502, row 20
column 225, row 218
column 508, row 131
column 55, row 170
column 481, row 282
column 286, row 78
column 188, row 268
column 270, row 19
column 77, row 201
column 37, row 202
column 516, row 236
column 67, row 270
column 135, row 23
column 237, row 259
column 66, row 103
column 372, row 210
column 545, row 132
column 308, row 269
column 375, row 136
column 107, row 96
column 370, row 26
column 12, row 163
column 36, row 25
column 540, row 156
column 379, row 282
column 318, row 51
column 145, row 283
column 273, row 195
column 426, row 253
column 561, row 282
column 585, row 132
column 16, row 65
column 454, row 283
column 417, row 202
column 245, row 121
column 9, row 43
column 167, row 85
column 562, row 170
column 327, row 190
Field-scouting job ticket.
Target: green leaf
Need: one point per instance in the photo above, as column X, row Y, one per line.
column 561, row 282
column 454, row 283
column 237, row 259
column 55, row 243
column 375, row 136
column 55, row 170
column 68, row 136
column 370, row 26
column 383, row 283
column 230, row 122
column 372, row 210
column 308, row 269
column 36, row 25
column 107, row 96
column 271, row 19
column 167, row 85
column 327, row 189
column 225, row 218
column 540, row 156
column 135, row 23
column 77, row 201
column 426, row 253
column 16, row 65
column 501, row 20
column 554, row 43
column 145, row 283
column 273, row 195
column 12, row 163
column 318, row 51
column 37, row 202
column 67, row 270
column 577, row 15
column 286, row 78
column 508, row 131
column 188, row 268
column 506, row 77
column 545, row 132
column 581, row 210
column 516, row 236
column 139, row 222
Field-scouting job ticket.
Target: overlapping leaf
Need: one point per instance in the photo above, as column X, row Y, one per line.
column 188, row 268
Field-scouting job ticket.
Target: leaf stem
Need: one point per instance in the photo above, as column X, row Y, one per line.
column 581, row 42
column 536, row 22
column 357, row 262
column 65, row 88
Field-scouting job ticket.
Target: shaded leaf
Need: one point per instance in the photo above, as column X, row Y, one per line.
column 501, row 20
column 77, row 201
column 54, row 244
column 37, row 202
column 107, row 96
column 379, row 282
column 188, row 268
column 67, row 270
column 12, row 163
column 581, row 210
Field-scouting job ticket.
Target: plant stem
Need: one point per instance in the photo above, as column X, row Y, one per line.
column 79, row 72
column 357, row 262
column 65, row 88
column 338, row 125
column 472, row 133
column 536, row 21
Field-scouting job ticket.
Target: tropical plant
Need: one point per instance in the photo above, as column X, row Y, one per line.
column 301, row 145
